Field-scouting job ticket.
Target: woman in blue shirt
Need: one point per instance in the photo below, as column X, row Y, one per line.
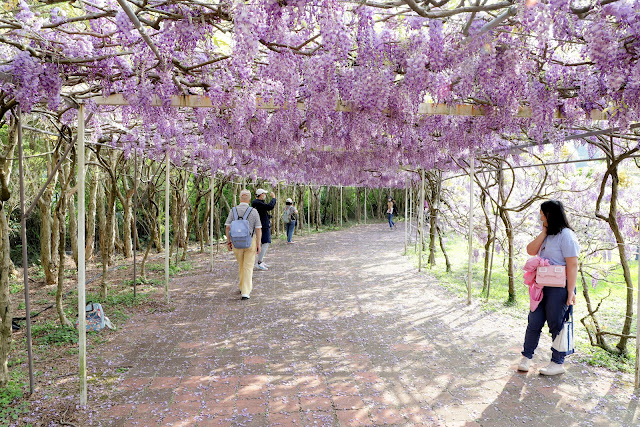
column 558, row 243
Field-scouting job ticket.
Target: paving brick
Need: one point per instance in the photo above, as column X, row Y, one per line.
column 284, row 404
column 319, row 419
column 315, row 403
column 348, row 402
column 381, row 416
column 285, row 419
column 251, row 406
column 357, row 417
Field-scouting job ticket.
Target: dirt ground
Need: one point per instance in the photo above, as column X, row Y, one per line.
column 341, row 331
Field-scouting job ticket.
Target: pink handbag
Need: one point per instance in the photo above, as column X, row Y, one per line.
column 552, row 275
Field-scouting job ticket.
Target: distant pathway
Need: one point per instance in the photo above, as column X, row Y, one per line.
column 341, row 331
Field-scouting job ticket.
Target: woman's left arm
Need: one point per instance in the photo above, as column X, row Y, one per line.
column 572, row 275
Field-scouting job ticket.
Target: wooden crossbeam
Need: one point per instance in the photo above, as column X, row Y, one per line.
column 428, row 109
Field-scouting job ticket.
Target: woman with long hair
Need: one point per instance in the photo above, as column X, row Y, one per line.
column 556, row 243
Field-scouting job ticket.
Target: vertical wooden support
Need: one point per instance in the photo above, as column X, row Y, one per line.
column 421, row 220
column 25, row 255
column 472, row 172
column 167, row 196
column 82, row 327
column 211, row 219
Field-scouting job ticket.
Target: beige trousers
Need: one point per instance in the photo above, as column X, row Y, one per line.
column 246, row 259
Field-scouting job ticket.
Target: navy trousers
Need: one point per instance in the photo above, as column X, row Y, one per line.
column 551, row 310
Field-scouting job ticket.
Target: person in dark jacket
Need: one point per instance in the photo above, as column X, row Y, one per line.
column 263, row 209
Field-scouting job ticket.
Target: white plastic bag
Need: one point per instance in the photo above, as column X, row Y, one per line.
column 564, row 340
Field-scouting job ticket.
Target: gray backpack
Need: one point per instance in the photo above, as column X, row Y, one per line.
column 240, row 231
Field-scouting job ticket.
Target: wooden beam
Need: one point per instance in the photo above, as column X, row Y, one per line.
column 428, row 109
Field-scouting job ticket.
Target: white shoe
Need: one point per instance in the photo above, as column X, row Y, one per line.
column 524, row 365
column 245, row 297
column 265, row 264
column 552, row 368
column 261, row 267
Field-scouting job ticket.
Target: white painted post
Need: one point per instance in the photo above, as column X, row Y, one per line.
column 82, row 328
column 421, row 220
column 341, row 206
column 410, row 210
column 167, row 195
column 211, row 220
column 472, row 173
column 309, row 211
column 637, row 375
column 365, row 205
column 406, row 212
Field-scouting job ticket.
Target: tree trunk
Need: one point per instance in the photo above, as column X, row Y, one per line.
column 487, row 245
column 596, row 338
column 506, row 220
column 6, row 266
column 61, row 213
column 104, row 238
column 613, row 224
column 73, row 228
column 91, row 214
column 46, row 242
column 444, row 252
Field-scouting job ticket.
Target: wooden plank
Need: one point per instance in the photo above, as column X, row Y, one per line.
column 428, row 109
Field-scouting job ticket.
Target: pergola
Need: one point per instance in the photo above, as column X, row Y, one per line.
column 479, row 25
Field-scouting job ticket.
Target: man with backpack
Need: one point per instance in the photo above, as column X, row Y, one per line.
column 244, row 232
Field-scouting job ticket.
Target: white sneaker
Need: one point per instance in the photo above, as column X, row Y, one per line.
column 261, row 267
column 552, row 368
column 524, row 365
column 265, row 264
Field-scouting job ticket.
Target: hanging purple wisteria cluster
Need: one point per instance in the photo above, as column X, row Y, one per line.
column 379, row 59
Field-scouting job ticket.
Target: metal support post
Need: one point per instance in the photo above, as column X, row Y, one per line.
column 82, row 328
column 365, row 205
column 406, row 211
column 341, row 206
column 25, row 256
column 472, row 172
column 167, row 196
column 421, row 221
column 135, row 222
column 211, row 220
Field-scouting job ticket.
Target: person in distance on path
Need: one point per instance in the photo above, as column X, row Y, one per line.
column 390, row 212
column 263, row 209
column 245, row 257
column 293, row 217
column 557, row 243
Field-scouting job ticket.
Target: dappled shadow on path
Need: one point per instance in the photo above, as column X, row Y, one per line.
column 340, row 331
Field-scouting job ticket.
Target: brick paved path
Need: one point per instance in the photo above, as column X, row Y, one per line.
column 341, row 331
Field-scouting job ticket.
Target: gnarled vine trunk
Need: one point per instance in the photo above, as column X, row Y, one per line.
column 6, row 266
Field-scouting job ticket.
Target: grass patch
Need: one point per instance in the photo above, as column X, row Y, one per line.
column 173, row 268
column 10, row 412
column 144, row 281
column 50, row 333
column 16, row 287
column 595, row 356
